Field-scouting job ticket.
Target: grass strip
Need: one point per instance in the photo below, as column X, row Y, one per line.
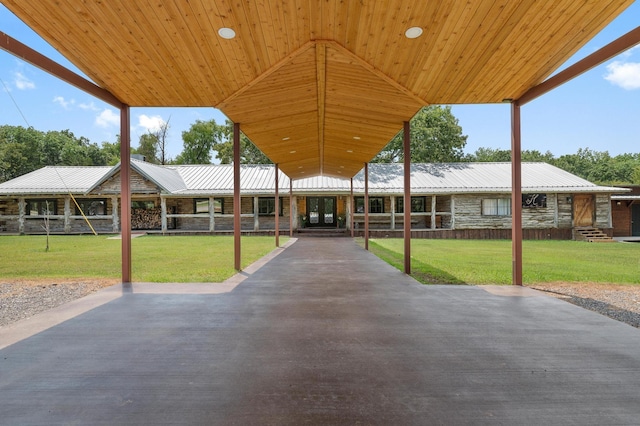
column 154, row 258
column 489, row 261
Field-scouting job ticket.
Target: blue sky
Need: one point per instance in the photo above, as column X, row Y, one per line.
column 599, row 110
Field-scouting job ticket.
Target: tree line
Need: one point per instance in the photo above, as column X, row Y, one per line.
column 436, row 137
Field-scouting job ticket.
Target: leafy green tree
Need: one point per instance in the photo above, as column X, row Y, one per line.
column 148, row 146
column 111, row 151
column 199, row 142
column 488, row 155
column 635, row 176
column 436, row 137
column 205, row 138
column 19, row 151
column 249, row 152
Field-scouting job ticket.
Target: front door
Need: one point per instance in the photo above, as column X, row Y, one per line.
column 635, row 220
column 321, row 212
column 582, row 210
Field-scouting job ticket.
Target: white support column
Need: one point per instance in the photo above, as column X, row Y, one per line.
column 22, row 211
column 163, row 213
column 453, row 212
column 294, row 211
column 393, row 212
column 212, row 215
column 67, row 214
column 115, row 214
column 433, row 211
column 256, row 214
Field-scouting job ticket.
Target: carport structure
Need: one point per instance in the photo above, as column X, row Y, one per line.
column 319, row 87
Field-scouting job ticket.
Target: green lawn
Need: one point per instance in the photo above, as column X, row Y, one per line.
column 489, row 261
column 154, row 258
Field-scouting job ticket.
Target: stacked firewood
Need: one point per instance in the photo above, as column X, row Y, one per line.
column 146, row 218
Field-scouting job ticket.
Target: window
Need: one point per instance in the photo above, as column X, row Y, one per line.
column 418, row 204
column 496, row 206
column 143, row 205
column 201, row 205
column 532, row 201
column 41, row 207
column 91, row 207
column 376, row 204
column 267, row 206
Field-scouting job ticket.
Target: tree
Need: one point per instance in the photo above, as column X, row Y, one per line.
column 436, row 137
column 161, row 135
column 206, row 137
column 249, row 152
column 488, row 155
column 148, row 147
column 198, row 142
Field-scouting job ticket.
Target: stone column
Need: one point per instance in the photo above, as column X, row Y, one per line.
column 163, row 213
column 256, row 217
column 433, row 212
column 114, row 213
column 212, row 217
column 393, row 212
column 67, row 214
column 22, row 208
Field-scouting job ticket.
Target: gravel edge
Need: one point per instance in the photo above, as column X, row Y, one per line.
column 24, row 299
column 621, row 303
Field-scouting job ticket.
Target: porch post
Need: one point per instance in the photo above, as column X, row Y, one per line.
column 407, row 196
column 516, row 195
column 352, row 207
column 256, row 213
column 392, row 201
column 433, row 211
column 125, row 191
column 277, row 213
column 290, row 208
column 163, row 213
column 67, row 214
column 366, row 206
column 212, row 214
column 22, row 211
column 236, row 196
column 114, row 214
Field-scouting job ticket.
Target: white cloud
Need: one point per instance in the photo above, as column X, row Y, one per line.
column 108, row 118
column 89, row 107
column 63, row 102
column 150, row 124
column 624, row 74
column 22, row 82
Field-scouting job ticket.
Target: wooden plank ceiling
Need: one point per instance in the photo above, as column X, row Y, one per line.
column 319, row 86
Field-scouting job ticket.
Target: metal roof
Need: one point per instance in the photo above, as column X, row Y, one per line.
column 55, row 180
column 452, row 178
column 189, row 180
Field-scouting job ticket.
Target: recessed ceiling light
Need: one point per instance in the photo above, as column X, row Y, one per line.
column 413, row 32
column 227, row 33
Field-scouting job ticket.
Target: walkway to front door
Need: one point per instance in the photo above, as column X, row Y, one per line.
column 326, row 334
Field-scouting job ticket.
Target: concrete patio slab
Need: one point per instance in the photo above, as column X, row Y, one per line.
column 325, row 333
